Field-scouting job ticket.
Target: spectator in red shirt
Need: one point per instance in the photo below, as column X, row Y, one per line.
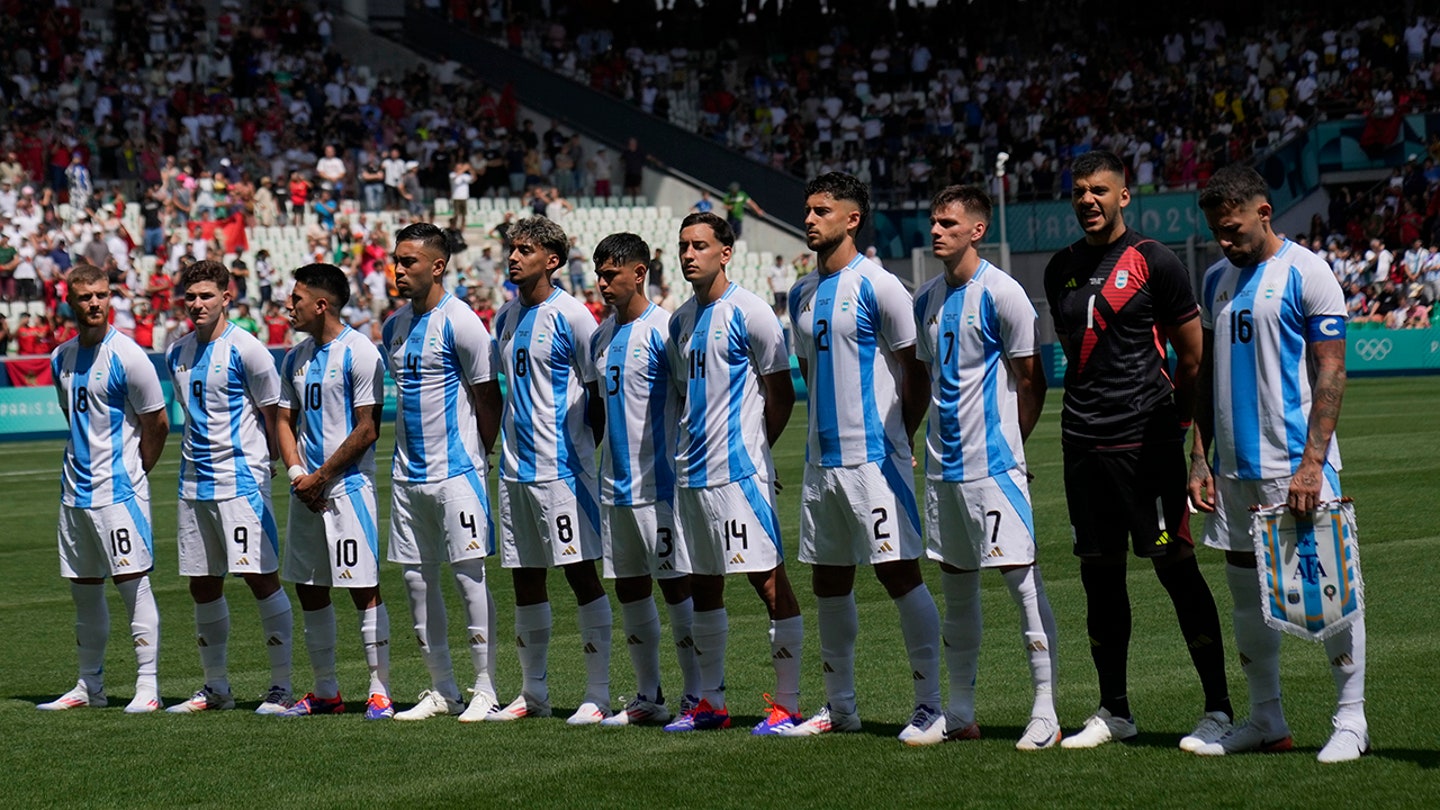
column 30, row 336
column 144, row 325
column 277, row 326
column 159, row 289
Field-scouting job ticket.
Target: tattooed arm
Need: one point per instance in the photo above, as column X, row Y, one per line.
column 1326, row 394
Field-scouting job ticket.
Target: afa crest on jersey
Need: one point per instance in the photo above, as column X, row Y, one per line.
column 1122, row 278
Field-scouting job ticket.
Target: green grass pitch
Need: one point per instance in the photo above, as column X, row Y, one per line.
column 104, row 758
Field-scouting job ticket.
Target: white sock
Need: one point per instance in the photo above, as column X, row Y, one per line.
column 640, row 622
column 145, row 631
column 427, row 608
column 682, row 622
column 1037, row 625
column 596, row 629
column 479, row 618
column 375, row 636
column 786, row 638
column 839, row 625
column 1259, row 647
column 92, row 631
column 320, row 644
column 532, row 643
column 1346, row 651
column 962, row 640
column 711, row 631
column 920, row 626
column 212, row 630
column 278, row 625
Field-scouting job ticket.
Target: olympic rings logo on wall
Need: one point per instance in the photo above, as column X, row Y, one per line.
column 1373, row 348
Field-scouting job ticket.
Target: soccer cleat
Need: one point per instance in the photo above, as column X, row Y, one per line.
column 825, row 721
column 926, row 727
column 205, row 700
column 313, row 704
column 1211, row 728
column 144, row 703
column 77, row 698
column 1247, row 738
column 703, row 717
column 431, row 704
column 379, row 707
column 480, row 707
column 778, row 720
column 1347, row 744
column 276, row 701
column 1040, row 733
column 1102, row 727
column 956, row 731
column 521, row 706
column 638, row 711
column 590, row 713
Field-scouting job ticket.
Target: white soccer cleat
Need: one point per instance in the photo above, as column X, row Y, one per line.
column 1247, row 738
column 590, row 713
column 144, row 703
column 277, row 700
column 520, row 707
column 825, row 721
column 1347, row 744
column 481, row 705
column 1101, row 727
column 1210, row 729
column 638, row 711
column 78, row 698
column 1040, row 733
column 926, row 727
column 431, row 704
column 205, row 700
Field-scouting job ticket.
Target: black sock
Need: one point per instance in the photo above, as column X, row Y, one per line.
column 1107, row 618
column 1200, row 624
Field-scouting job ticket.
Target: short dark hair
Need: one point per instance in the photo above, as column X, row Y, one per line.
column 974, row 199
column 622, row 248
column 1236, row 184
column 205, row 270
column 1095, row 161
column 723, row 232
column 541, row 231
column 427, row 234
column 86, row 273
column 842, row 186
column 328, row 279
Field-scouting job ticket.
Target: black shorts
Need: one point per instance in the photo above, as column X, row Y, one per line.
column 1136, row 492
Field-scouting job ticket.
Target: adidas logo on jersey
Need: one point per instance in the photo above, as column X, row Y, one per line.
column 1036, row 646
column 782, row 654
column 243, row 561
column 667, row 566
column 1072, row 284
column 996, row 552
column 474, row 546
column 569, row 551
column 885, row 546
column 478, row 638
column 737, row 560
column 140, row 641
column 123, row 563
column 590, row 648
column 346, row 574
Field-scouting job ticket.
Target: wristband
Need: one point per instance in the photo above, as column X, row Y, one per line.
column 295, row 471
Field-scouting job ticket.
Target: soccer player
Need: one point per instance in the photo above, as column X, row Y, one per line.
column 728, row 351
column 977, row 332
column 331, row 395
column 116, row 411
column 638, row 531
column 1116, row 298
column 855, row 338
column 448, row 408
column 1274, row 358
column 226, row 382
column 549, row 509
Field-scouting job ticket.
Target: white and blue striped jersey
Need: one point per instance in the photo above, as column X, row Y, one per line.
column 544, row 351
column 222, row 385
column 434, row 359
column 967, row 334
column 1264, row 318
column 846, row 326
column 326, row 384
column 642, row 408
column 719, row 352
column 103, row 389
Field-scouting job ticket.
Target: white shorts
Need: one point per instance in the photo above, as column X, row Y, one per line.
column 643, row 540
column 234, row 536
column 731, row 528
column 545, row 524
column 106, row 541
column 1228, row 529
column 986, row 523
column 339, row 547
column 861, row 514
column 440, row 521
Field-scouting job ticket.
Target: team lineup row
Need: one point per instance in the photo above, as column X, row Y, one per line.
column 683, row 409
